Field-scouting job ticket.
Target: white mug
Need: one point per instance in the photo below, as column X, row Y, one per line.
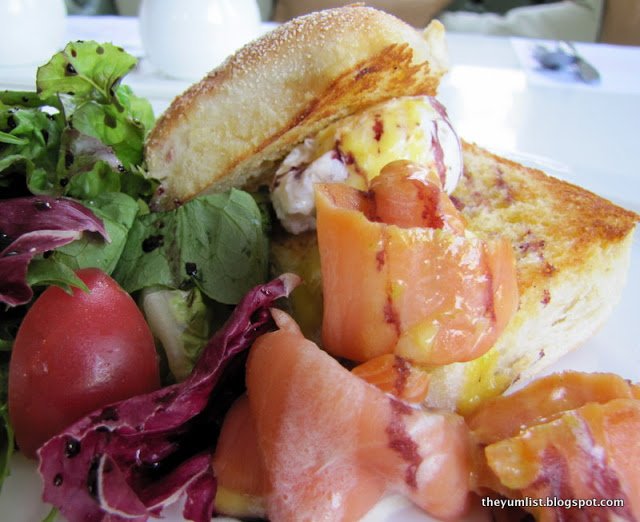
column 32, row 31
column 187, row 39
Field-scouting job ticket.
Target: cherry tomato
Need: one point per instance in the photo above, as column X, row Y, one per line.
column 74, row 354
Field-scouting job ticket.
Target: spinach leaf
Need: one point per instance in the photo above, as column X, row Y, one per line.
column 214, row 242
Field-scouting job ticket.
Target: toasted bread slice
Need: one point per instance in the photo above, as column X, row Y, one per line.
column 229, row 128
column 572, row 253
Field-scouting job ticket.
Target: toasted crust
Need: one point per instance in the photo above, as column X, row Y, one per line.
column 551, row 223
column 229, row 128
column 573, row 251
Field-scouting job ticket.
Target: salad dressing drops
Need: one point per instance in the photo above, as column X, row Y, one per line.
column 42, row 205
column 191, row 269
column 71, row 448
column 5, row 241
column 152, row 242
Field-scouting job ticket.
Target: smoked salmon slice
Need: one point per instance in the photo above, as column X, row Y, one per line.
column 570, row 437
column 401, row 275
column 243, row 483
column 588, row 453
column 333, row 444
column 543, row 400
column 395, row 375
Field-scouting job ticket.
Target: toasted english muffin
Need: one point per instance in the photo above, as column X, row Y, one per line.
column 229, row 129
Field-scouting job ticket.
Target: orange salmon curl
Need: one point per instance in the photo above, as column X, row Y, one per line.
column 402, row 275
column 567, row 436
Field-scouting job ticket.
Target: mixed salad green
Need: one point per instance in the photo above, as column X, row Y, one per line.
column 79, row 138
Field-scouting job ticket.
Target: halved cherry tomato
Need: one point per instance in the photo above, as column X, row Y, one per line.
column 74, row 354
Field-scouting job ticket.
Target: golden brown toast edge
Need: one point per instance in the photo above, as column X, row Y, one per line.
column 532, row 201
column 572, row 252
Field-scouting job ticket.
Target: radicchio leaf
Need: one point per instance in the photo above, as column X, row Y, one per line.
column 130, row 460
column 31, row 226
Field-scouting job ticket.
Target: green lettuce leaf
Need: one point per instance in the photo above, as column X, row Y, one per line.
column 139, row 108
column 28, row 99
column 85, row 69
column 82, row 133
column 215, row 243
column 181, row 321
column 87, row 76
column 118, row 212
column 52, row 516
column 92, row 168
column 105, row 123
column 29, row 146
column 44, row 272
column 99, row 179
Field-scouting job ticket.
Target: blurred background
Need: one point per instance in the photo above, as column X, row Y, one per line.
column 610, row 21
